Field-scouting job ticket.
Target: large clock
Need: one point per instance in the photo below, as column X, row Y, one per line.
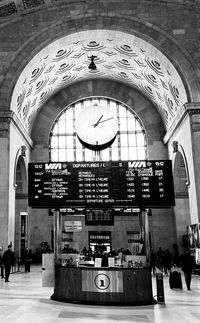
column 96, row 126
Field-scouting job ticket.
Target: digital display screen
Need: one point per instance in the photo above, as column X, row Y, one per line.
column 101, row 184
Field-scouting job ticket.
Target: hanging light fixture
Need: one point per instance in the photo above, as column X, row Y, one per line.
column 92, row 65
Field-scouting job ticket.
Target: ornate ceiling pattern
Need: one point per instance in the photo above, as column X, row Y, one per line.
column 119, row 56
column 14, row 7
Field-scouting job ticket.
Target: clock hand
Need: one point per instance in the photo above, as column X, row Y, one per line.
column 105, row 120
column 96, row 124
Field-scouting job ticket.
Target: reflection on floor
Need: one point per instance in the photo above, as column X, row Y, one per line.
column 24, row 300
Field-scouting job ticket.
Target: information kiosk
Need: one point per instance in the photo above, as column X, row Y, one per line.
column 122, row 278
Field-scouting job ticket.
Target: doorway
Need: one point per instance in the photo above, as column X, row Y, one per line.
column 100, row 241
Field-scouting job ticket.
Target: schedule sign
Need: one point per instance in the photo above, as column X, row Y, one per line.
column 101, row 184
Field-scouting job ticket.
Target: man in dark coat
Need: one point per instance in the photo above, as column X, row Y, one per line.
column 187, row 265
column 1, row 262
column 8, row 260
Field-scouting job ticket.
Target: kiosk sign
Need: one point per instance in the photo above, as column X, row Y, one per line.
column 102, row 281
column 125, row 183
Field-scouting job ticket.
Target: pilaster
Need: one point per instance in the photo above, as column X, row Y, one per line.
column 193, row 111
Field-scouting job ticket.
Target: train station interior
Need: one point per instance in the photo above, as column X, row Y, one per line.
column 99, row 91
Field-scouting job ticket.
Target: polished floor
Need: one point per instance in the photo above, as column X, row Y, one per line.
column 24, row 300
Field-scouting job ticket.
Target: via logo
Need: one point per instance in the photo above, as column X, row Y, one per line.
column 102, row 281
column 136, row 164
column 53, row 166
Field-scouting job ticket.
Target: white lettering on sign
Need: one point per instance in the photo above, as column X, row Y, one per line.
column 53, row 166
column 136, row 164
column 38, row 166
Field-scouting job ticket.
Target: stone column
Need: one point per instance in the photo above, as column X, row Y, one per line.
column 4, row 180
column 193, row 110
column 144, row 233
column 57, row 233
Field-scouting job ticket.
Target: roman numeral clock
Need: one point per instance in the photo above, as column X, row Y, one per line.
column 96, row 127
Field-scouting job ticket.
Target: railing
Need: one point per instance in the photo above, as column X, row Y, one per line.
column 14, row 7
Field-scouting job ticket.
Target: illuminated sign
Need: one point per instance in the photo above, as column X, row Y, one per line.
column 94, row 184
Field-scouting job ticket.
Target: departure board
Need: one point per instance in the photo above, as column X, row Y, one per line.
column 101, row 184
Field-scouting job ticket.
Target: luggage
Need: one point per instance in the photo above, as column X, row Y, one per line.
column 175, row 280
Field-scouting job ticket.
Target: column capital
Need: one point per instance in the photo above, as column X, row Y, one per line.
column 7, row 117
column 192, row 108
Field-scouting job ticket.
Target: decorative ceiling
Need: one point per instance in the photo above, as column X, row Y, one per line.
column 119, row 56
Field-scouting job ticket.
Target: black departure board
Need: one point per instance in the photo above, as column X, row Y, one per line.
column 101, row 184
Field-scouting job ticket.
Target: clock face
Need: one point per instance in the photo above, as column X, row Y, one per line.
column 96, row 126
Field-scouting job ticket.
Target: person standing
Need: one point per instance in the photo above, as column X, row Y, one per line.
column 27, row 257
column 1, row 262
column 187, row 265
column 153, row 262
column 175, row 255
column 8, row 260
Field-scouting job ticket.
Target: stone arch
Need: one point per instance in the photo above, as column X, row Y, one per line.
column 20, row 173
column 21, row 208
column 181, row 182
column 169, row 47
column 146, row 111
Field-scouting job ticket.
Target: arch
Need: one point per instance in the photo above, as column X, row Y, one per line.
column 180, row 175
column 21, row 208
column 20, row 183
column 182, row 209
column 177, row 56
column 129, row 141
column 145, row 110
column 21, row 177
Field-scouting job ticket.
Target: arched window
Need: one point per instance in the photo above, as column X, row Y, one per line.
column 129, row 144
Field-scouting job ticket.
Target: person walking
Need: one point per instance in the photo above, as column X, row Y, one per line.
column 8, row 261
column 187, row 265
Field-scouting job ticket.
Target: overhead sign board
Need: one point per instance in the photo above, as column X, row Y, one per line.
column 125, row 183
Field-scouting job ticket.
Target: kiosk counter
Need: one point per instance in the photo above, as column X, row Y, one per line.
column 103, row 285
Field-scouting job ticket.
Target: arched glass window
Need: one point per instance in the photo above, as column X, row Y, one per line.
column 129, row 144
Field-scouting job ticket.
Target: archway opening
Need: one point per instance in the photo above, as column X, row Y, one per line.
column 181, row 210
column 21, row 209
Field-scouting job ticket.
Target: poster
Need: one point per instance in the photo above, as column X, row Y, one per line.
column 73, row 226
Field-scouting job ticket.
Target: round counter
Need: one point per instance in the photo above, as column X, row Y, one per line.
column 106, row 286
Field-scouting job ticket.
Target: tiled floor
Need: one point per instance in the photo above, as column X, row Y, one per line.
column 24, row 300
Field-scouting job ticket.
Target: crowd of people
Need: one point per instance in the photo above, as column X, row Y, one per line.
column 98, row 252
column 164, row 259
column 166, row 262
